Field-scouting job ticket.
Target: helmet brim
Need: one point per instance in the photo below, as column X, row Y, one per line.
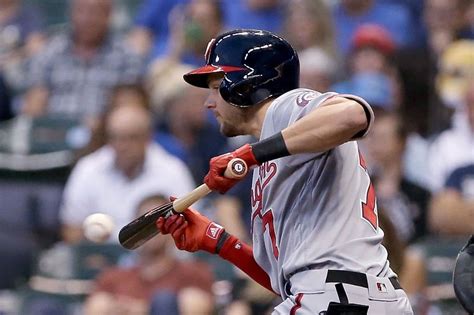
column 200, row 76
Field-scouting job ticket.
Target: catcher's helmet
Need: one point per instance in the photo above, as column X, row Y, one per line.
column 256, row 65
column 463, row 277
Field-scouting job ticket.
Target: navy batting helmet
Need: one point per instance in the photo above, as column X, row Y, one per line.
column 256, row 65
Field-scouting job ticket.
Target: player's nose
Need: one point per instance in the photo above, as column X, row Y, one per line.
column 210, row 102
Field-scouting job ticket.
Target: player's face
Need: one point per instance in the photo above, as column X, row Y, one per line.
column 229, row 117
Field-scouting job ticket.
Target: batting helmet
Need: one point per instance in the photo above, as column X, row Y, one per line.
column 256, row 65
column 463, row 277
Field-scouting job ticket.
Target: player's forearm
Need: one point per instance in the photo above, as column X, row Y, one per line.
column 326, row 127
column 241, row 256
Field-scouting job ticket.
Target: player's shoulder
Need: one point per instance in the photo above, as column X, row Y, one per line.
column 297, row 95
column 300, row 98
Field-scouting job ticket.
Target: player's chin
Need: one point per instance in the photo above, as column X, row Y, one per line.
column 229, row 131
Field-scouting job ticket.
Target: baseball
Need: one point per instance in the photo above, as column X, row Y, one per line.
column 98, row 227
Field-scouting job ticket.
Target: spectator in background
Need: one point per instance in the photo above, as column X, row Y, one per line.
column 374, row 87
column 192, row 28
column 371, row 52
column 176, row 29
column 116, row 177
column 150, row 34
column 318, row 69
column 5, row 104
column 454, row 147
column 164, row 82
column 455, row 73
column 75, row 74
column 157, row 283
column 404, row 202
column 452, row 167
column 452, row 209
column 308, row 24
column 371, row 49
column 254, row 14
column 442, row 21
column 467, row 27
column 188, row 132
column 123, row 94
column 350, row 14
column 418, row 67
column 21, row 37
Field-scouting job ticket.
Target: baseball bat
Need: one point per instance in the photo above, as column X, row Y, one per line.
column 143, row 228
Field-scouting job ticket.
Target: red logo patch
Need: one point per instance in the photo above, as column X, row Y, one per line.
column 213, row 230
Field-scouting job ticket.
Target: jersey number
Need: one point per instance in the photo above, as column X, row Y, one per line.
column 267, row 221
column 368, row 207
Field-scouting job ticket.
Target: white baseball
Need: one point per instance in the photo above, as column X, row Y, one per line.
column 98, row 227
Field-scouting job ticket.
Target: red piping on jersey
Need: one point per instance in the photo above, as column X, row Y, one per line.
column 297, row 306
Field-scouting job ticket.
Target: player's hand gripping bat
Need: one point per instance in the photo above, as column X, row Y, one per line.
column 143, row 228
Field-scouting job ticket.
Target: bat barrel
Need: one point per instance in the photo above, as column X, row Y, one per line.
column 143, row 228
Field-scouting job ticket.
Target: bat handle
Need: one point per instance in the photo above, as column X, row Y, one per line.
column 236, row 168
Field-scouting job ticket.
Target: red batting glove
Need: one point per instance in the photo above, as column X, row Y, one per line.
column 215, row 179
column 191, row 231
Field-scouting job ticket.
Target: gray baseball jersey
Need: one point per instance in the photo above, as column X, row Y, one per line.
column 314, row 209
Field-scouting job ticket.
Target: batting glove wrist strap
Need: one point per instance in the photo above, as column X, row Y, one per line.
column 270, row 148
column 191, row 231
column 212, row 237
column 221, row 241
column 245, row 152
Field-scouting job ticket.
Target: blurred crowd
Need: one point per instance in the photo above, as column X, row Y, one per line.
column 95, row 117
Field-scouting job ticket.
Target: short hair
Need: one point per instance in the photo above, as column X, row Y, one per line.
column 137, row 88
column 157, row 198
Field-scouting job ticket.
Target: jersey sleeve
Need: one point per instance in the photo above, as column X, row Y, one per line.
column 291, row 107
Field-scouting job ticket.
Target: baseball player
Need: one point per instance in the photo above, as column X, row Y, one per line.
column 316, row 239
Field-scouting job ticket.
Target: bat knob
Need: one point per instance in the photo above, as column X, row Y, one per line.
column 236, row 168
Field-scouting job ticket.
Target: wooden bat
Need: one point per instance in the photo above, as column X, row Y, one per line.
column 140, row 230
